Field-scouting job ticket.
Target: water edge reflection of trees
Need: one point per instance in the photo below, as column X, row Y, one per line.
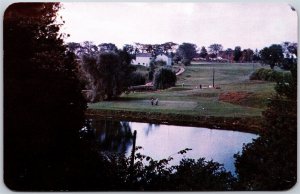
column 111, row 136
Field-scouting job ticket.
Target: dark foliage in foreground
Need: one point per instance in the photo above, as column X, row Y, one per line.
column 43, row 104
column 189, row 175
column 270, row 162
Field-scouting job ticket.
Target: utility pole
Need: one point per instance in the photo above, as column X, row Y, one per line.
column 213, row 77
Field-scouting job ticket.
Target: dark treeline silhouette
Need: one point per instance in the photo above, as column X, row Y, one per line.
column 281, row 55
column 43, row 104
column 110, row 136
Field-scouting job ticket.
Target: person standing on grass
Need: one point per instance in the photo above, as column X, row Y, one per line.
column 152, row 101
column 156, row 101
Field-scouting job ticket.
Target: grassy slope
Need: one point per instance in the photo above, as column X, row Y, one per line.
column 190, row 100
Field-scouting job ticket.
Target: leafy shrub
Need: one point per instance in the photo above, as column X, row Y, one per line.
column 137, row 78
column 164, row 78
column 287, row 63
column 267, row 75
column 158, row 175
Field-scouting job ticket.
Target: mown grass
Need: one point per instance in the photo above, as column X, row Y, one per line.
column 190, row 100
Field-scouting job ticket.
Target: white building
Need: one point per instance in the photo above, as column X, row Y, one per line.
column 289, row 56
column 164, row 57
column 142, row 59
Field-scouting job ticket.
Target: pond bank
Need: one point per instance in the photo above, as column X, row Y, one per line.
column 242, row 124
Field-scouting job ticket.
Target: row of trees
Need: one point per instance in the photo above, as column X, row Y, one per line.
column 88, row 47
column 281, row 55
column 276, row 54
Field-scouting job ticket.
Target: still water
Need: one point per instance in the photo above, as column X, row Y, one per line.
column 162, row 141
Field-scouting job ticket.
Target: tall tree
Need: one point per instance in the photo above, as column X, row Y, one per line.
column 256, row 56
column 203, row 52
column 187, row 52
column 237, row 53
column 129, row 49
column 164, row 78
column 74, row 47
column 293, row 48
column 229, row 54
column 110, row 73
column 289, row 47
column 107, row 47
column 272, row 55
column 247, row 55
column 168, row 46
column 43, row 101
column 215, row 48
column 88, row 47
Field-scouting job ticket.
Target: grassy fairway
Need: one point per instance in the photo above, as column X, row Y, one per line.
column 240, row 96
column 233, row 79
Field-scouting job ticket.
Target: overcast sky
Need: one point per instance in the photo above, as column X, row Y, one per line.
column 249, row 25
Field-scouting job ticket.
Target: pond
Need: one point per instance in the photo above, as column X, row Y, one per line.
column 161, row 141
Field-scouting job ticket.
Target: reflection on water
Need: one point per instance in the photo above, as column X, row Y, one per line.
column 112, row 136
column 162, row 141
column 166, row 140
column 150, row 127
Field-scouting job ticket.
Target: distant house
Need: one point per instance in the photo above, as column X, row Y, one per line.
column 142, row 59
column 164, row 57
column 289, row 56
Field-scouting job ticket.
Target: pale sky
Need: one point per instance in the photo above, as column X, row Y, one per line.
column 249, row 25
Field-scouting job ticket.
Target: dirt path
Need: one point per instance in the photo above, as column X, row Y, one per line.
column 181, row 70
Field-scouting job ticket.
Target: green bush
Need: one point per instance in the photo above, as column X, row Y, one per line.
column 164, row 78
column 267, row 75
column 137, row 78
